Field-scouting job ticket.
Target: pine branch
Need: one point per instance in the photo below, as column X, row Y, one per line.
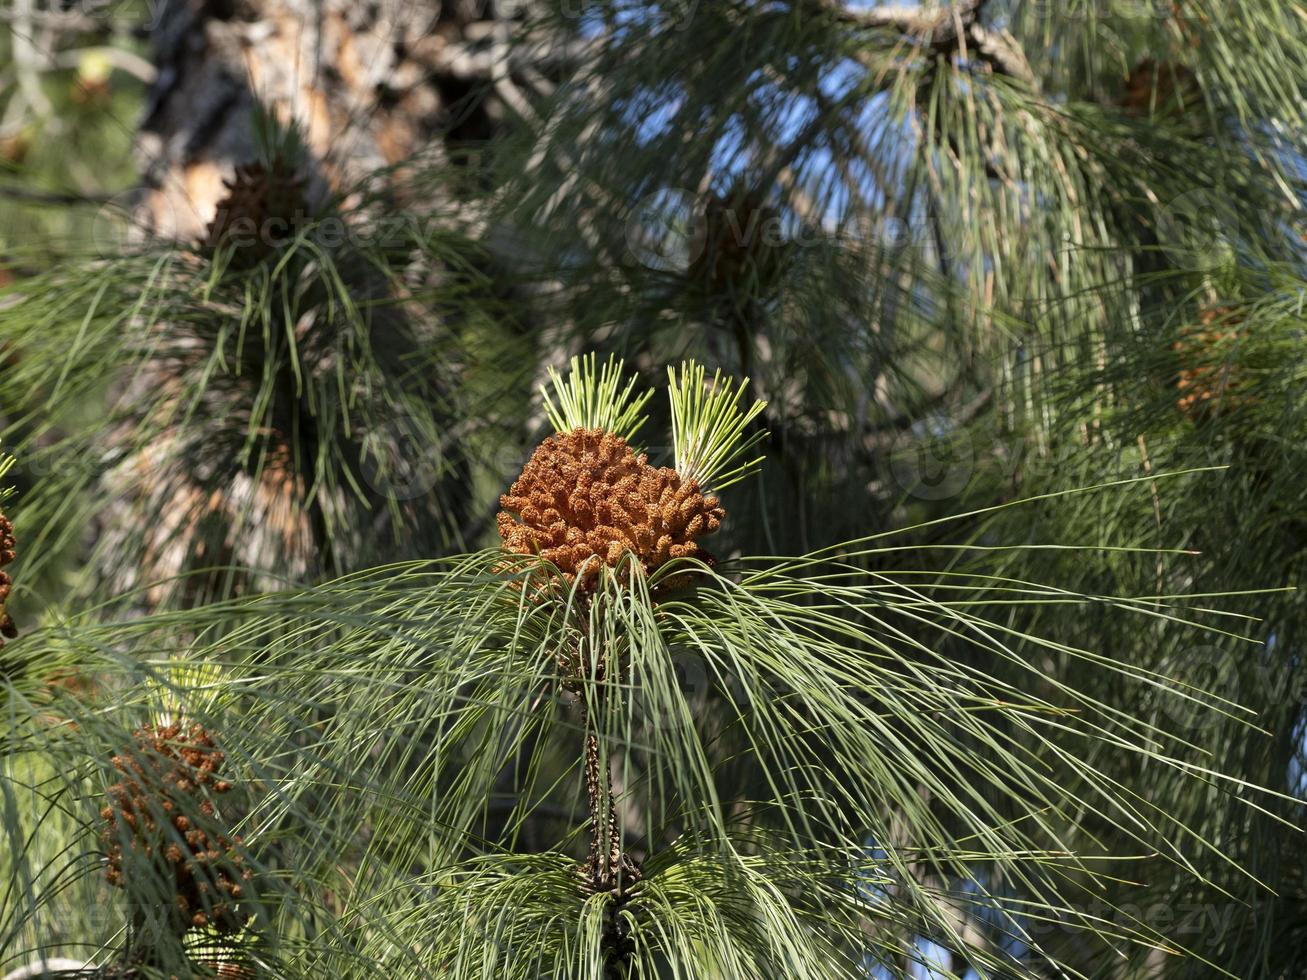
column 30, row 195
column 1000, row 51
column 953, row 28
column 608, row 868
column 940, row 27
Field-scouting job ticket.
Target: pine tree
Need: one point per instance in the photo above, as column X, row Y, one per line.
column 1017, row 287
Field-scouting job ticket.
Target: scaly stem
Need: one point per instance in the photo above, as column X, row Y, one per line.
column 605, row 859
column 608, row 868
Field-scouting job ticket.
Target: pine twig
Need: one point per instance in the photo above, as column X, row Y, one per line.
column 608, row 868
column 54, row 198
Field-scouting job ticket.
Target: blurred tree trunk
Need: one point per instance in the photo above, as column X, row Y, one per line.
column 368, row 85
column 367, row 89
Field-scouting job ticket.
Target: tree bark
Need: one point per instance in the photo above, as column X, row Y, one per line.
column 370, row 86
column 360, row 90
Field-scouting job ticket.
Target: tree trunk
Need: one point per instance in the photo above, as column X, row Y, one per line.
column 369, row 86
column 356, row 91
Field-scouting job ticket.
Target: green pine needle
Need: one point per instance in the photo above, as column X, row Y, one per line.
column 710, row 429
column 590, row 399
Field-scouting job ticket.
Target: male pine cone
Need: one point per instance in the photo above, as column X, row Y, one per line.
column 151, row 826
column 263, row 209
column 585, row 499
column 1209, row 376
column 8, row 544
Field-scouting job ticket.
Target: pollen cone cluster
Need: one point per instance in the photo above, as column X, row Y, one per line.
column 150, row 825
column 1207, row 376
column 585, row 499
column 7, row 554
column 1162, row 88
column 262, row 208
